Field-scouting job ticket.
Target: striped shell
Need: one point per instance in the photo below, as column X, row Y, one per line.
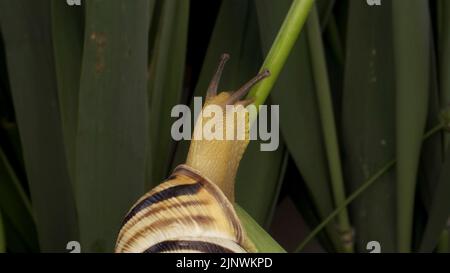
column 186, row 213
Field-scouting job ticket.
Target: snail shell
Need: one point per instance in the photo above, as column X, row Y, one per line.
column 186, row 213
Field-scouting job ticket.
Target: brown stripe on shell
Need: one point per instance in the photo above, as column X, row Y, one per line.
column 171, row 192
column 174, row 245
column 217, row 194
column 204, row 220
column 158, row 209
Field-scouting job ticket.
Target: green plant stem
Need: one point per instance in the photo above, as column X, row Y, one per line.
column 325, row 104
column 282, row 46
column 359, row 191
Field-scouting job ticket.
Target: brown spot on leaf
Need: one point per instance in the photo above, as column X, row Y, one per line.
column 99, row 40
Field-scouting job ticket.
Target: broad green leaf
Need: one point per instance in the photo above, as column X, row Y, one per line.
column 412, row 70
column 112, row 118
column 368, row 127
column 262, row 240
column 67, row 26
column 166, row 77
column 26, row 28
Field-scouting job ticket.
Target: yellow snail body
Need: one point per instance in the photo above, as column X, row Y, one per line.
column 192, row 211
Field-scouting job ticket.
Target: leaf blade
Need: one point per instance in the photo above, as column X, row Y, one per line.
column 112, row 118
column 263, row 242
column 28, row 44
column 412, row 68
column 166, row 85
column 368, row 129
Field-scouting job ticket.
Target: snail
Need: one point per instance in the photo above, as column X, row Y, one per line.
column 192, row 211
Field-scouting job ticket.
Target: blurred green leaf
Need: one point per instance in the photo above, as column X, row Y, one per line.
column 26, row 27
column 67, row 26
column 15, row 205
column 112, row 119
column 412, row 70
column 368, row 128
column 166, row 85
column 443, row 59
column 262, row 240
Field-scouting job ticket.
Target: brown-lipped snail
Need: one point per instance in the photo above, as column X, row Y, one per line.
column 192, row 211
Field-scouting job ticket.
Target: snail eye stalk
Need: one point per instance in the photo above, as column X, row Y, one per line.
column 214, row 84
column 242, row 92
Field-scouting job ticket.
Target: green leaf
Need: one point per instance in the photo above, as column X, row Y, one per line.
column 166, row 85
column 412, row 70
column 444, row 57
column 26, row 28
column 112, row 118
column 299, row 116
column 262, row 240
column 15, row 205
column 67, row 26
column 368, row 128
column 439, row 211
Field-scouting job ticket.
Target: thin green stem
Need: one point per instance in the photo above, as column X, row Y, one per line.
column 327, row 119
column 359, row 191
column 282, row 46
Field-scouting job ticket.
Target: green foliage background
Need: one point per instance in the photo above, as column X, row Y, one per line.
column 86, row 93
